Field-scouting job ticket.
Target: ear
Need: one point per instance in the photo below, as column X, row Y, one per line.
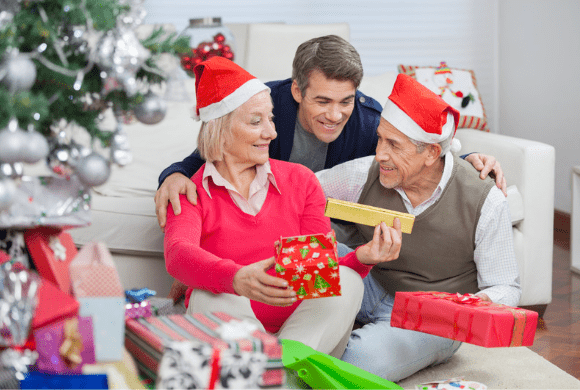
column 296, row 93
column 433, row 154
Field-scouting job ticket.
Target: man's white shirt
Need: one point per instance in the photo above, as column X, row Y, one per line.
column 494, row 256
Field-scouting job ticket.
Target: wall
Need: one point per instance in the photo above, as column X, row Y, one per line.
column 385, row 32
column 539, row 88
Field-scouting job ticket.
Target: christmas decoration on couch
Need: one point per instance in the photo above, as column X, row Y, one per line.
column 63, row 64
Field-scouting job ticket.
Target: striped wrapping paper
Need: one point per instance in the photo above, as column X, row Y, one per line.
column 145, row 339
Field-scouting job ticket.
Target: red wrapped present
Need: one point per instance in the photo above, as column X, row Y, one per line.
column 52, row 251
column 53, row 305
column 309, row 264
column 465, row 318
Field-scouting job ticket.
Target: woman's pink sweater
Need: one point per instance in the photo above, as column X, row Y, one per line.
column 208, row 243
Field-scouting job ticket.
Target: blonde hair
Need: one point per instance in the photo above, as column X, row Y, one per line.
column 212, row 137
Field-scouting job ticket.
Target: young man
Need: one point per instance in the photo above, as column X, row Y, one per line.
column 461, row 239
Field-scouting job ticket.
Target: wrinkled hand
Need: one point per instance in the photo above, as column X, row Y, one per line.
column 484, row 297
column 177, row 291
column 174, row 185
column 385, row 245
column 253, row 282
column 486, row 164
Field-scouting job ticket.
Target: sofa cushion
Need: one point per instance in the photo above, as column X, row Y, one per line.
column 457, row 87
column 125, row 225
column 154, row 148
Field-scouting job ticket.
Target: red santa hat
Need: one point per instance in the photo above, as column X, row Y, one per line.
column 221, row 86
column 420, row 114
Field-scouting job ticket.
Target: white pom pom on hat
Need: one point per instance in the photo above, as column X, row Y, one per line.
column 221, row 86
column 420, row 114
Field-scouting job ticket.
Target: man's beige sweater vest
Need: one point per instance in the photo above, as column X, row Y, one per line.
column 438, row 254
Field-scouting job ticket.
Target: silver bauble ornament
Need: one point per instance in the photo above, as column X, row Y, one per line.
column 7, row 192
column 120, row 149
column 77, row 152
column 19, row 72
column 58, row 160
column 12, row 143
column 120, row 55
column 36, row 147
column 151, row 110
column 13, row 171
column 93, row 170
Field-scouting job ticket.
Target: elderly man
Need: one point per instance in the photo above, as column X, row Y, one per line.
column 461, row 239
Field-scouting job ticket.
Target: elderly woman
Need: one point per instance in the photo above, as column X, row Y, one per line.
column 223, row 247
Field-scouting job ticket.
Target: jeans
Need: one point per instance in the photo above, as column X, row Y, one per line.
column 391, row 353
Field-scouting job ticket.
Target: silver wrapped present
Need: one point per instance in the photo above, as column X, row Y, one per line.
column 48, row 201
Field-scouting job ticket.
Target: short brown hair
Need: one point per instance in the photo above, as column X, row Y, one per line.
column 336, row 58
column 212, row 137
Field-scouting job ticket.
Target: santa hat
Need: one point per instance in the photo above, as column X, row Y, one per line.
column 420, row 114
column 221, row 86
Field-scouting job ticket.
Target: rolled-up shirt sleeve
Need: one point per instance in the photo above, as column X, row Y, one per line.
column 497, row 269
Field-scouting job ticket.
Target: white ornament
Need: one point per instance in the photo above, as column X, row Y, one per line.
column 7, row 193
column 12, row 143
column 19, row 72
column 57, row 248
column 120, row 55
column 13, row 171
column 93, row 170
column 151, row 110
column 36, row 147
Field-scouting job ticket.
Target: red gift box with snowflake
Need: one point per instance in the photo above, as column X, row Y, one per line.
column 310, row 265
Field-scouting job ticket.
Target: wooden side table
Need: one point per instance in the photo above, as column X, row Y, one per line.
column 575, row 223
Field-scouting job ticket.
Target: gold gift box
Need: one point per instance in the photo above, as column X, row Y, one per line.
column 367, row 215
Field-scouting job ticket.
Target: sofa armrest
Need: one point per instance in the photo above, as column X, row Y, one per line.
column 529, row 165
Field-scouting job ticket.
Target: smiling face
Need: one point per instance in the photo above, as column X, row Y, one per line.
column 400, row 163
column 326, row 106
column 252, row 130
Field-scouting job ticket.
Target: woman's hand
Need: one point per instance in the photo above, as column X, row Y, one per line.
column 253, row 282
column 385, row 245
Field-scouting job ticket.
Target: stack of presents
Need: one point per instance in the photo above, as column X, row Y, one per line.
column 66, row 322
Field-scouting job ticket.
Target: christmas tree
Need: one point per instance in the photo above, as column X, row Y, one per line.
column 63, row 64
column 331, row 262
column 317, row 241
column 301, row 291
column 320, row 284
column 279, row 269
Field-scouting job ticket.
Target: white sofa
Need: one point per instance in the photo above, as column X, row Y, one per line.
column 124, row 214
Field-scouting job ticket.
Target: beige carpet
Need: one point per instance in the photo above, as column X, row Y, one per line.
column 498, row 368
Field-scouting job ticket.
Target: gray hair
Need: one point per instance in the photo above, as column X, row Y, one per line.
column 445, row 145
column 212, row 137
column 335, row 57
